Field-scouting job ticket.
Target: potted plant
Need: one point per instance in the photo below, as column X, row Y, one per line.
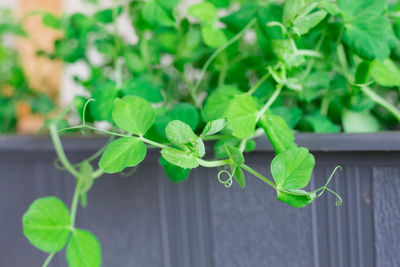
column 272, row 68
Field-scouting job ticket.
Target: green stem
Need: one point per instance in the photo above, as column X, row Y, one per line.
column 381, row 101
column 218, row 51
column 48, row 259
column 213, row 164
column 60, row 152
column 74, row 203
column 259, row 83
column 270, row 101
column 258, row 175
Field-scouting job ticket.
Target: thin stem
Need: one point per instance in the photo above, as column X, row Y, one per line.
column 381, row 101
column 212, row 164
column 152, row 143
column 242, row 146
column 74, row 203
column 48, row 259
column 96, row 174
column 258, row 175
column 270, row 101
column 219, row 50
column 259, row 83
column 60, row 152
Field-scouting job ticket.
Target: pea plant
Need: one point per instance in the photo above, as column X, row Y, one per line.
column 272, row 67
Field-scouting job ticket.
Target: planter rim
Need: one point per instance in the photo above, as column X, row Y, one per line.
column 382, row 141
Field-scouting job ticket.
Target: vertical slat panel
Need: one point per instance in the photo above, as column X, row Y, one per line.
column 386, row 196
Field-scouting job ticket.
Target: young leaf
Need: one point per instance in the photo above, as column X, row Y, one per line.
column 278, row 132
column 239, row 176
column 213, row 127
column 133, row 114
column 179, row 133
column 179, row 158
column 292, row 169
column 212, row 36
column 220, row 150
column 134, row 62
column 359, row 122
column 122, row 153
column 304, row 24
column 218, row 101
column 385, row 73
column 241, row 116
column 83, row 250
column 174, row 173
column 204, row 11
column 47, row 224
column 235, row 155
column 295, row 197
column 86, row 182
column 292, row 9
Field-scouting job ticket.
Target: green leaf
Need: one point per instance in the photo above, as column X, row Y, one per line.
column 168, row 4
column 278, row 132
column 107, row 15
column 292, row 169
column 154, row 14
column 292, row 9
column 86, row 179
column 239, row 176
column 213, row 127
column 218, row 101
column 83, row 250
column 241, row 116
column 291, row 115
column 359, row 122
column 179, row 158
column 235, row 155
column 47, row 224
column 122, row 153
column 295, row 197
column 104, row 96
column 134, row 62
column 133, row 114
column 304, row 24
column 368, row 32
column 212, row 36
column 179, row 133
column 174, row 173
column 330, row 7
column 204, row 11
column 314, row 84
column 321, row 123
column 362, row 72
column 220, row 3
column 143, row 87
column 220, row 150
column 50, row 20
column 185, row 112
column 385, row 73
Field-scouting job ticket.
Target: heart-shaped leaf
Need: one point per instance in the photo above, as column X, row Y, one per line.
column 292, row 169
column 213, row 127
column 241, row 116
column 47, row 224
column 133, row 114
column 278, row 132
column 179, row 158
column 83, row 250
column 122, row 153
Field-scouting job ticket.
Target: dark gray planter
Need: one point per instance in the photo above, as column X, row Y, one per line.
column 147, row 221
